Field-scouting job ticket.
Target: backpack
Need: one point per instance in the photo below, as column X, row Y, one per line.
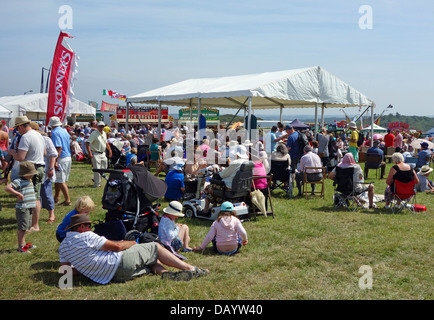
column 361, row 139
column 302, row 142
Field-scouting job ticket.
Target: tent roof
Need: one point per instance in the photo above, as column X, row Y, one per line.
column 298, row 124
column 38, row 103
column 5, row 113
column 297, row 88
column 376, row 128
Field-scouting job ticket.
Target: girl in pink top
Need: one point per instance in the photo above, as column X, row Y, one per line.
column 227, row 233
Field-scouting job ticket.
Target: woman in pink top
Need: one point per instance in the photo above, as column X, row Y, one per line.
column 4, row 145
column 227, row 233
column 259, row 171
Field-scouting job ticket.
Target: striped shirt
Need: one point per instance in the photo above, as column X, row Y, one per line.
column 25, row 187
column 82, row 251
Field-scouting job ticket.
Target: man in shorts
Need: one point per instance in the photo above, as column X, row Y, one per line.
column 96, row 147
column 31, row 148
column 61, row 140
column 103, row 260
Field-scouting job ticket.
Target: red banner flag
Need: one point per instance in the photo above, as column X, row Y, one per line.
column 108, row 106
column 60, row 80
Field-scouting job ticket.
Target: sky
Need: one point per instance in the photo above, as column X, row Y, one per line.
column 382, row 48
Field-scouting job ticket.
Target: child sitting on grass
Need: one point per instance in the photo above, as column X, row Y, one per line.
column 227, row 233
column 83, row 204
column 24, row 190
column 174, row 235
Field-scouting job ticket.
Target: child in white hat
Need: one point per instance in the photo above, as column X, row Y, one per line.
column 424, row 183
column 171, row 234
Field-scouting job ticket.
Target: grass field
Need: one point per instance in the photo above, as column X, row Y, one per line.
column 309, row 251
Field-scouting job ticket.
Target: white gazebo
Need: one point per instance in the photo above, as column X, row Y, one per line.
column 298, row 88
column 35, row 106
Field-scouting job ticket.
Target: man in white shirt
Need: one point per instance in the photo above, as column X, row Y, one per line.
column 281, row 131
column 103, row 260
column 309, row 159
column 96, row 146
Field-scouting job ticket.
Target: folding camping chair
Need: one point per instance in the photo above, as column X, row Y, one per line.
column 411, row 161
column 344, row 192
column 306, row 181
column 282, row 177
column 373, row 161
column 404, row 196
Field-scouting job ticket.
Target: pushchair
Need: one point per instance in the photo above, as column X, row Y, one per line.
column 128, row 198
column 118, row 160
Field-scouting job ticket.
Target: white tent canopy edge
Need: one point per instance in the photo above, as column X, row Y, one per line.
column 21, row 104
column 296, row 88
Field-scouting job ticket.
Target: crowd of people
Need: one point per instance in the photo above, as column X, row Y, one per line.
column 37, row 157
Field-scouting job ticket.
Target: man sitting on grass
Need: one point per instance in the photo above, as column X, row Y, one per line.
column 103, row 260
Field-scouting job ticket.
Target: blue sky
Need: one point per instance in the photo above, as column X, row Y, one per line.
column 132, row 46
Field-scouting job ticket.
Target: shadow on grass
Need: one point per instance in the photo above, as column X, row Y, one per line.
column 53, row 278
column 209, row 251
column 8, row 201
column 377, row 211
column 8, row 224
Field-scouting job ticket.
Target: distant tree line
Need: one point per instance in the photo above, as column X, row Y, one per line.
column 419, row 123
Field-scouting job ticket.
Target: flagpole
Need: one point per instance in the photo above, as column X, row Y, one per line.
column 389, row 106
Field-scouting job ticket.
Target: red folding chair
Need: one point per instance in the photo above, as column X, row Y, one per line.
column 404, row 196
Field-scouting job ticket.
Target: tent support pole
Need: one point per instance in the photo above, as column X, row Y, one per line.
column 249, row 118
column 316, row 120
column 281, row 110
column 198, row 120
column 132, row 107
column 242, row 106
column 322, row 114
column 159, row 120
column 126, row 118
column 372, row 123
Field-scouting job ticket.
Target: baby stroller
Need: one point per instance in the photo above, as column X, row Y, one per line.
column 128, row 198
column 118, row 160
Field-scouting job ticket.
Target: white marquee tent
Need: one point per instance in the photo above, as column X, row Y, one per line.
column 377, row 129
column 37, row 104
column 297, row 88
column 5, row 113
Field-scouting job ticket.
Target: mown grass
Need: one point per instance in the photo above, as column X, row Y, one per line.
column 309, row 251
